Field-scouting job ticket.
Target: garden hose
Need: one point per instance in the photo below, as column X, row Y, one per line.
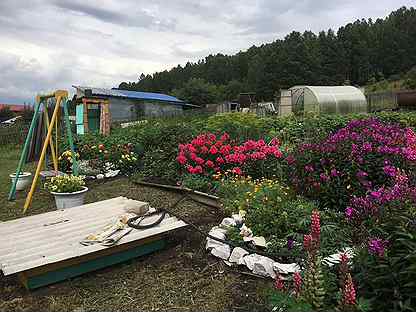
column 136, row 225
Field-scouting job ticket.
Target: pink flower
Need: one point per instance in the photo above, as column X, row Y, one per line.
column 199, row 160
column 209, row 164
column 279, row 283
column 213, row 150
column 198, row 170
column 307, row 241
column 225, row 137
column 315, row 225
column 220, row 160
column 297, row 280
column 181, row 159
column 237, row 171
column 348, row 293
column 204, row 149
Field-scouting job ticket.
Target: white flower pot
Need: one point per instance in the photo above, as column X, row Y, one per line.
column 23, row 181
column 69, row 200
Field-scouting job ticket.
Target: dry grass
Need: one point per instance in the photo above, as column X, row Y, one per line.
column 183, row 277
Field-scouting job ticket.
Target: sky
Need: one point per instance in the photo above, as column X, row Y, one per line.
column 53, row 44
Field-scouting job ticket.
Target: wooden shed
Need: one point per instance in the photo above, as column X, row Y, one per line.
column 96, row 108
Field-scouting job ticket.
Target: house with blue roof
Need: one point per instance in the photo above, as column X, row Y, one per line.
column 98, row 108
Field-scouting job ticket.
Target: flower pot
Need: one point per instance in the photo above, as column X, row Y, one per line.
column 69, row 200
column 23, row 181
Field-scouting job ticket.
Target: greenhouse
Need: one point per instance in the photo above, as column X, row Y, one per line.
column 328, row 99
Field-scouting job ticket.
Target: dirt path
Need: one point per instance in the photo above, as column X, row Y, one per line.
column 182, row 277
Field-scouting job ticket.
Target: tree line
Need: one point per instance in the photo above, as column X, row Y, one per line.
column 359, row 52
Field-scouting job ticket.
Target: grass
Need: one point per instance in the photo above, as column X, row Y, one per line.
column 183, row 277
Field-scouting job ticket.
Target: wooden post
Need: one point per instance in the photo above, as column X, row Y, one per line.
column 42, row 155
column 54, row 156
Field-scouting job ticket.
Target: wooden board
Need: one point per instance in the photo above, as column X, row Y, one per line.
column 50, row 242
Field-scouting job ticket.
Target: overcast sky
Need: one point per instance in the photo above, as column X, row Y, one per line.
column 52, row 44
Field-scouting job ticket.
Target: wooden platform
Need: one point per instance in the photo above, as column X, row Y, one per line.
column 45, row 248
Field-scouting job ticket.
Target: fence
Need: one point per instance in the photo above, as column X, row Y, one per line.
column 381, row 101
column 13, row 133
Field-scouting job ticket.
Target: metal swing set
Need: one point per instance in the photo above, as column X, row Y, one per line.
column 61, row 99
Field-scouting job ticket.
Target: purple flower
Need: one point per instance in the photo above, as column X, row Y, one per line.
column 376, row 194
column 309, row 168
column 389, row 170
column 290, row 243
column 377, row 246
column 362, row 174
column 324, row 177
column 334, row 172
column 349, row 213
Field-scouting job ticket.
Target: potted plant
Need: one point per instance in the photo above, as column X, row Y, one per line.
column 22, row 181
column 69, row 190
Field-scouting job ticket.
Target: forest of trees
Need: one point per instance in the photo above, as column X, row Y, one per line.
column 358, row 53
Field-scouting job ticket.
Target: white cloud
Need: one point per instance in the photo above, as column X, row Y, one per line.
column 51, row 44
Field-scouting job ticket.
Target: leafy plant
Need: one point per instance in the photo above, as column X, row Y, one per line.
column 65, row 184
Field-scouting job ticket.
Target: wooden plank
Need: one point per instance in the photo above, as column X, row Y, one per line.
column 63, row 270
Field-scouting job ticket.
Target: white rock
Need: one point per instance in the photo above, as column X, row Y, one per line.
column 264, row 267
column 286, row 268
column 237, row 255
column 259, row 241
column 112, row 173
column 245, row 231
column 221, row 251
column 100, row 176
column 216, row 232
column 238, row 219
column 336, row 258
column 228, row 222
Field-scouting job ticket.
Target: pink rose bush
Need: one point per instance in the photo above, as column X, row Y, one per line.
column 208, row 154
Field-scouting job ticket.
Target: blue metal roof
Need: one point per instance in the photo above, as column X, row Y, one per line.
column 134, row 95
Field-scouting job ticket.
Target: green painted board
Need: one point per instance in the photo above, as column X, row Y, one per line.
column 92, row 265
column 79, row 118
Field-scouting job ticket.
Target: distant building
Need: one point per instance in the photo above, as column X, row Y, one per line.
column 97, row 107
column 322, row 100
column 14, row 107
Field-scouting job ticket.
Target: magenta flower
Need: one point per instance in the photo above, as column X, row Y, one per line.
column 377, row 246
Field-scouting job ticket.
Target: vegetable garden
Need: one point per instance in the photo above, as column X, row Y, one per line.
column 311, row 186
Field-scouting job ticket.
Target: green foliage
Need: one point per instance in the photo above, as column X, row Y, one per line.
column 198, row 92
column 198, row 183
column 283, row 301
column 6, row 113
column 239, row 126
column 65, row 184
column 392, row 276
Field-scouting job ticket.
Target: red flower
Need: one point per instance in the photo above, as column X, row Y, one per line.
column 204, row 149
column 181, row 159
column 297, row 280
column 237, row 171
column 209, row 164
column 220, row 160
column 279, row 283
column 315, row 225
column 225, row 137
column 213, row 150
column 307, row 241
column 225, row 150
column 199, row 160
column 198, row 170
column 348, row 292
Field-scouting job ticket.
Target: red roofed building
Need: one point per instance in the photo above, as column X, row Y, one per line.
column 14, row 108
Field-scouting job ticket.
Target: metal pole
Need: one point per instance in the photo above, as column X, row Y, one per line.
column 42, row 155
column 12, row 193
column 71, row 142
